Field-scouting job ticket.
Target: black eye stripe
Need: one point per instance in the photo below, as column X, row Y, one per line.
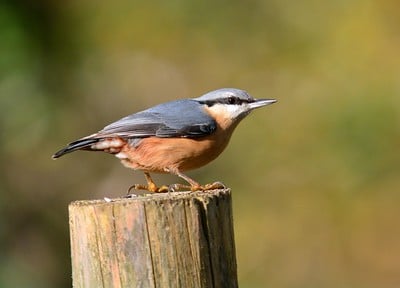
column 229, row 100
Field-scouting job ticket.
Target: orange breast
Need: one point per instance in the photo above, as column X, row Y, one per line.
column 155, row 154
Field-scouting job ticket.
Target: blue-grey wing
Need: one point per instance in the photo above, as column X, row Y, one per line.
column 181, row 118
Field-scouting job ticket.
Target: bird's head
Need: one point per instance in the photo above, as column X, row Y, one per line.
column 231, row 105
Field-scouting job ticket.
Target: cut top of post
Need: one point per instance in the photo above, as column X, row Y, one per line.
column 178, row 239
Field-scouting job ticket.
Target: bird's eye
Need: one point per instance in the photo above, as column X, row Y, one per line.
column 232, row 100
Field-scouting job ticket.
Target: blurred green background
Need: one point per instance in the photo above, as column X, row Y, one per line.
column 315, row 177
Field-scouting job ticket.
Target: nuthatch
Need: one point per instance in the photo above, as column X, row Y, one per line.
column 173, row 137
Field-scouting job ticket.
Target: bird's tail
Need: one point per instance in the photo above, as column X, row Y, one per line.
column 81, row 144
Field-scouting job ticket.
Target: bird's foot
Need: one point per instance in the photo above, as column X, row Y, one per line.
column 176, row 187
column 197, row 187
column 213, row 186
column 151, row 188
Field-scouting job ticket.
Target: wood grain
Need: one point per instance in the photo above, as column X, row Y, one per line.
column 180, row 239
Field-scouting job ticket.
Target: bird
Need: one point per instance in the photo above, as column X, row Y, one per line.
column 173, row 137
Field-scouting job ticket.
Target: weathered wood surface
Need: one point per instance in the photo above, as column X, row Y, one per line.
column 178, row 239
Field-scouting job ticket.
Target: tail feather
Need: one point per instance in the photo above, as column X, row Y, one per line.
column 76, row 145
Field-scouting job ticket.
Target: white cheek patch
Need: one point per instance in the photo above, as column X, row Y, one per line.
column 235, row 110
column 227, row 111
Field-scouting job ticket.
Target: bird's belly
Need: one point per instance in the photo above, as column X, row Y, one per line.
column 155, row 154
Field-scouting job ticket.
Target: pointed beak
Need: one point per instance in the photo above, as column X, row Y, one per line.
column 261, row 102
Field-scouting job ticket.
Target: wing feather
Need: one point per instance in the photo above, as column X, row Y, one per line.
column 181, row 118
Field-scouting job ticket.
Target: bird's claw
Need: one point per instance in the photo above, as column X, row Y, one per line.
column 150, row 188
column 193, row 188
column 175, row 187
column 210, row 186
column 215, row 185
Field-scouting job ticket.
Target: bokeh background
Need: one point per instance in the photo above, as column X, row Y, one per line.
column 315, row 177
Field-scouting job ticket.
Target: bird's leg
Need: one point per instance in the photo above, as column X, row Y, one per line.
column 151, row 186
column 194, row 185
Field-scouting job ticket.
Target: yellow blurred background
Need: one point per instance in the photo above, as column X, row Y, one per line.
column 315, row 177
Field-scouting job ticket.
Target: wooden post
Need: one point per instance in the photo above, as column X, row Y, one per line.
column 179, row 239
